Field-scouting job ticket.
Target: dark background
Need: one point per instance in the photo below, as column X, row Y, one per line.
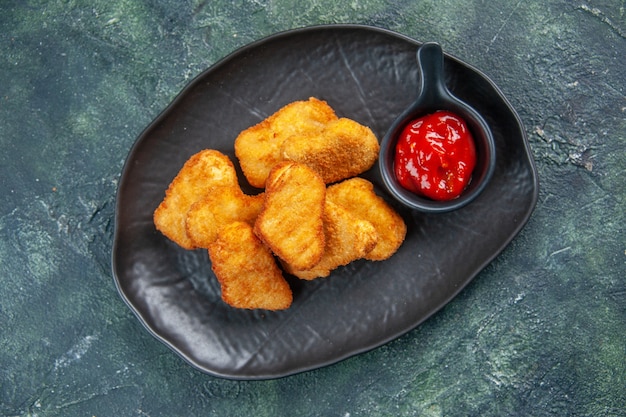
column 541, row 331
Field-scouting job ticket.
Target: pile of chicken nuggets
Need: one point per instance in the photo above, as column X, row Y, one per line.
column 313, row 215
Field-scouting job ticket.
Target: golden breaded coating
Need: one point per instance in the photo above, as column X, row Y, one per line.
column 291, row 220
column 223, row 205
column 358, row 197
column 348, row 238
column 247, row 271
column 258, row 148
column 342, row 150
column 203, row 171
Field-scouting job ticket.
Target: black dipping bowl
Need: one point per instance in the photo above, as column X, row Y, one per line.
column 434, row 95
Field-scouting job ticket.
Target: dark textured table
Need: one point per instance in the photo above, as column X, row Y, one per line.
column 540, row 332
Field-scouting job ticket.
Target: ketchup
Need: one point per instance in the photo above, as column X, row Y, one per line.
column 435, row 156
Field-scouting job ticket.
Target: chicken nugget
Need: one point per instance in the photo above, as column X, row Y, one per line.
column 203, row 171
column 342, row 150
column 258, row 148
column 291, row 222
column 247, row 271
column 357, row 196
column 348, row 238
column 221, row 206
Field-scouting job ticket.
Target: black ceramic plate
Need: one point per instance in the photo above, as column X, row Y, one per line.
column 366, row 74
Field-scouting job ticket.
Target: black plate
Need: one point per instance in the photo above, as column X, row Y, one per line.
column 364, row 73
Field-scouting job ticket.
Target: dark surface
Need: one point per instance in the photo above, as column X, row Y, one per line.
column 538, row 332
column 358, row 307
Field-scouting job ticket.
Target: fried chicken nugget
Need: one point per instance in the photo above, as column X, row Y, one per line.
column 357, row 196
column 342, row 150
column 348, row 238
column 203, row 171
column 247, row 271
column 291, row 222
column 258, row 148
column 221, row 206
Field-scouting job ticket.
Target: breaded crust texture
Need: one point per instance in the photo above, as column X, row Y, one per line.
column 247, row 271
column 313, row 215
column 291, row 220
column 348, row 238
column 342, row 150
column 221, row 206
column 258, row 148
column 358, row 197
column 201, row 173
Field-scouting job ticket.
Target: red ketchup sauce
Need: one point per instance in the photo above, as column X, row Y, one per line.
column 435, row 156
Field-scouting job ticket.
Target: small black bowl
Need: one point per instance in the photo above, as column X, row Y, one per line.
column 434, row 95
